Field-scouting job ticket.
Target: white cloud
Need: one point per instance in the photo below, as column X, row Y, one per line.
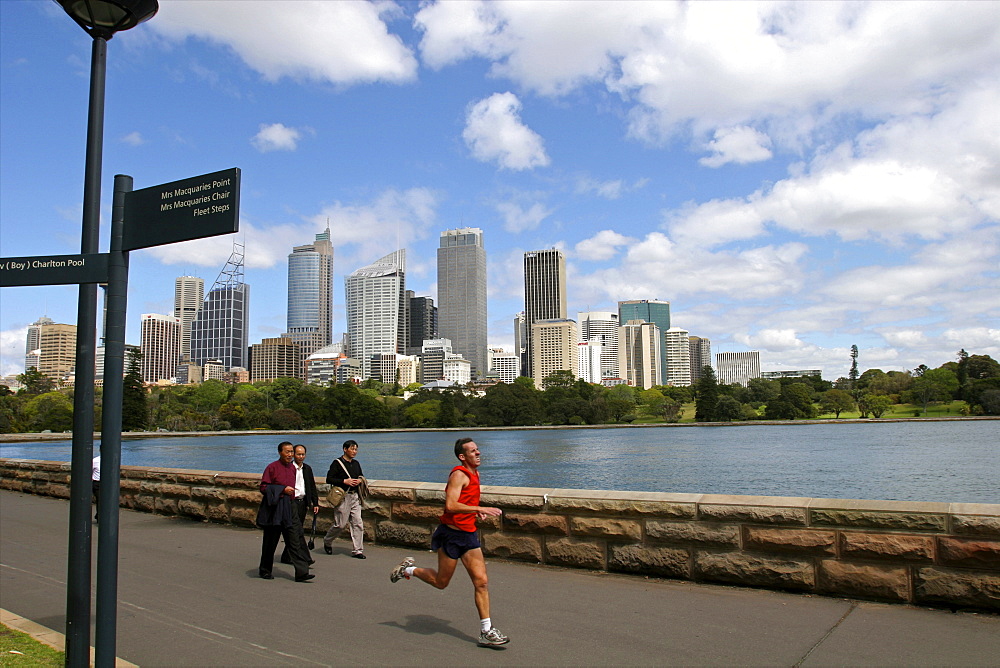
column 740, row 144
column 134, row 139
column 494, row 132
column 518, row 219
column 608, row 189
column 602, row 246
column 338, row 42
column 773, row 340
column 12, row 350
column 276, row 137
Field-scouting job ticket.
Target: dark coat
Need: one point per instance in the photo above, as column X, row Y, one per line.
column 275, row 508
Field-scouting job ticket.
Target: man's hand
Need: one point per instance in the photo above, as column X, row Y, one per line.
column 290, row 491
column 489, row 512
column 315, row 510
column 352, row 482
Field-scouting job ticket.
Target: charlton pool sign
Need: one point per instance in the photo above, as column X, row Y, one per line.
column 198, row 207
column 54, row 269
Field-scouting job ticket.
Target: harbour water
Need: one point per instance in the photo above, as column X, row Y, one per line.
column 952, row 461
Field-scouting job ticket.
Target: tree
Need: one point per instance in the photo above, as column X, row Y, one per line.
column 707, row 396
column 763, row 391
column 853, row 374
column 33, row 382
column 879, row 404
column 51, row 411
column 556, row 379
column 284, row 419
column 836, row 401
column 134, row 399
column 728, row 409
column 933, row 385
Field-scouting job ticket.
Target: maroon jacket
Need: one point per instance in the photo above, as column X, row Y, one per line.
column 278, row 473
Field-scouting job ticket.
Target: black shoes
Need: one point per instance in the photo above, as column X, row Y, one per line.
column 328, row 549
column 304, row 578
column 265, row 575
column 359, row 555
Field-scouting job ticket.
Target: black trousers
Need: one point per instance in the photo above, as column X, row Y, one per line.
column 95, row 488
column 301, row 509
column 293, row 543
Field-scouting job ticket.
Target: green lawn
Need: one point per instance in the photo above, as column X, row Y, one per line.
column 20, row 649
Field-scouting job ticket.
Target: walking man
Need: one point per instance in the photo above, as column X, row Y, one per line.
column 306, row 500
column 456, row 539
column 345, row 472
column 278, row 518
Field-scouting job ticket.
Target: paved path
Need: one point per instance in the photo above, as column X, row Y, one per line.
column 190, row 597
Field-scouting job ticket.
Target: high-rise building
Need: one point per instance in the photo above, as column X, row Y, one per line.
column 376, row 309
column 639, row 354
column 310, row 296
column 737, row 367
column 321, row 366
column 602, row 327
column 553, row 347
column 432, row 356
column 678, row 369
column 650, row 310
column 220, row 330
column 521, row 342
column 589, row 355
column 33, row 342
column 160, row 344
column 423, row 316
column 544, row 296
column 56, row 351
column 701, row 356
column 277, row 357
column 504, row 366
column 189, row 295
column 461, row 272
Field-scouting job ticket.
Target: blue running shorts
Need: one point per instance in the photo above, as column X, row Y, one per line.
column 455, row 543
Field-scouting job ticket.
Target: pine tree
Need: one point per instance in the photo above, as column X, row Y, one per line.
column 133, row 394
column 853, row 375
column 707, row 396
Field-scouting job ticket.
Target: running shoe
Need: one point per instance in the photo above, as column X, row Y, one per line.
column 399, row 572
column 492, row 638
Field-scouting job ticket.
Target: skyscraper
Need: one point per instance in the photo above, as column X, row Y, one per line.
column 189, row 294
column 737, row 367
column 554, row 348
column 650, row 310
column 33, row 342
column 701, row 356
column 275, row 358
column 376, row 309
column 56, row 350
column 544, row 295
column 521, row 343
column 423, row 317
column 678, row 369
column 461, row 271
column 310, row 296
column 160, row 344
column 219, row 331
column 602, row 327
column 639, row 354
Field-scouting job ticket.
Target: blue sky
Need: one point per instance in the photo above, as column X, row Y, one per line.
column 793, row 177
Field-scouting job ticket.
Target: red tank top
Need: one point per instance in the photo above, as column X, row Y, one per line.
column 470, row 497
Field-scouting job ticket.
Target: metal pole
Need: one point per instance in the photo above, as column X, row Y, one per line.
column 111, row 434
column 78, row 571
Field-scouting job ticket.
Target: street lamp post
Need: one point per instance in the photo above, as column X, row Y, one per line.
column 101, row 19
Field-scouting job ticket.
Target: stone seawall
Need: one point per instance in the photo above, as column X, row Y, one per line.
column 937, row 554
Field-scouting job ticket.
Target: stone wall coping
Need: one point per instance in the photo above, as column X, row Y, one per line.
column 773, row 501
column 991, row 509
column 880, row 506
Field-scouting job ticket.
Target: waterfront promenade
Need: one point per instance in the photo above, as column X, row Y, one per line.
column 189, row 596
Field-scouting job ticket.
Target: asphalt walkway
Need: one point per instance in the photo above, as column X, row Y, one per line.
column 190, row 596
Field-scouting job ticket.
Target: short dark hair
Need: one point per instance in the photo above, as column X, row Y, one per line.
column 304, row 448
column 460, row 445
column 283, row 444
column 348, row 443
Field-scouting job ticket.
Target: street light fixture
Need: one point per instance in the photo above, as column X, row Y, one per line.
column 101, row 19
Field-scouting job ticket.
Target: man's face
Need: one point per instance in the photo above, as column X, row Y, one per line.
column 472, row 456
column 287, row 454
column 300, row 454
column 351, row 452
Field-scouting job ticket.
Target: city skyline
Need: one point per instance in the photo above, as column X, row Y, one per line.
column 843, row 196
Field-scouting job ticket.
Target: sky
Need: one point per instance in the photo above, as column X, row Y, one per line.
column 793, row 177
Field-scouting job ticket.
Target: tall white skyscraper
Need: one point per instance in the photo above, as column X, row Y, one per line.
column 737, row 367
column 189, row 295
column 544, row 295
column 310, row 295
column 376, row 309
column 589, row 360
column 160, row 344
column 639, row 353
column 33, row 342
column 701, row 356
column 678, row 369
column 601, row 326
column 461, row 271
column 521, row 342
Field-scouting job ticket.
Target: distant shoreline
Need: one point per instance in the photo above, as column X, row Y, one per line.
column 30, row 437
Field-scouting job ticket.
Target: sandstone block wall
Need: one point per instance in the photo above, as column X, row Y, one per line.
column 925, row 553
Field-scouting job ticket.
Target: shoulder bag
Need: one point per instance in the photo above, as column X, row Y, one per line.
column 337, row 493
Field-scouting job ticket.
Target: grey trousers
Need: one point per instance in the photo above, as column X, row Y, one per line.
column 348, row 512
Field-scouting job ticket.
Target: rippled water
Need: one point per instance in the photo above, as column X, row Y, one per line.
column 911, row 461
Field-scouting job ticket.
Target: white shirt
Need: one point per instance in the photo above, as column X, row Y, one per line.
column 95, row 469
column 300, row 482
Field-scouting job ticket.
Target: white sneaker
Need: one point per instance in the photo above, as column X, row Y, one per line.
column 492, row 638
column 399, row 572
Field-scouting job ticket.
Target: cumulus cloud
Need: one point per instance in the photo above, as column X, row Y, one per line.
column 494, row 132
column 740, row 144
column 602, row 246
column 517, row 219
column 337, row 42
column 12, row 350
column 276, row 137
column 134, row 139
column 775, row 340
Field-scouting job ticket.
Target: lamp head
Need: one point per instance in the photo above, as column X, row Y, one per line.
column 103, row 18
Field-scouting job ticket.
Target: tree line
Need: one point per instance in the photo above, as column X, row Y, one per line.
column 288, row 403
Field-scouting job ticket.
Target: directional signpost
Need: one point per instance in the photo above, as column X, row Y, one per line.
column 195, row 208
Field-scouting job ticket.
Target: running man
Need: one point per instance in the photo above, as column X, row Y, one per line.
column 456, row 539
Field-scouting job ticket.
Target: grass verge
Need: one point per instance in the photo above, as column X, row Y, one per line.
column 20, row 649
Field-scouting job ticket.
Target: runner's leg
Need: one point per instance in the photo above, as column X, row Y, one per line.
column 475, row 564
column 442, row 576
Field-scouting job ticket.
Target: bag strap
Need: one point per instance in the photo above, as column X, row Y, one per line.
column 341, row 462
